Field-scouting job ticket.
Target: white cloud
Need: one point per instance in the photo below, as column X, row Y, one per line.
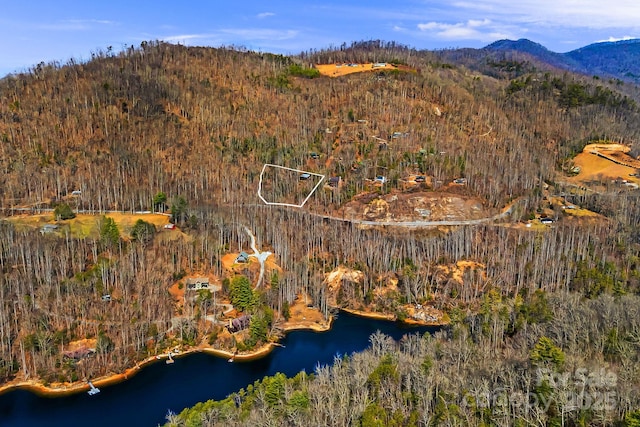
column 454, row 32
column 266, row 15
column 76, row 25
column 432, row 26
column 478, row 23
column 100, row 21
column 186, row 38
column 594, row 14
column 473, row 29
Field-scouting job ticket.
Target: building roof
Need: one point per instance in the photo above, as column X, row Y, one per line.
column 239, row 323
column 47, row 228
column 194, row 280
column 243, row 256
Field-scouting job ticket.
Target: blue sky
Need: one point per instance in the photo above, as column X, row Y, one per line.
column 32, row 31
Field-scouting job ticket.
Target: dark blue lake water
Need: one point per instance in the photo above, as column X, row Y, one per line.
column 145, row 399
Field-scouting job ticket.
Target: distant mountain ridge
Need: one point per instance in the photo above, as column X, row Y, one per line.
column 619, row 59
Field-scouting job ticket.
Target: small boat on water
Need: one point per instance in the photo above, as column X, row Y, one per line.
column 93, row 390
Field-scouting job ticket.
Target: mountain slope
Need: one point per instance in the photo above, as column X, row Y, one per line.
column 195, row 121
column 197, row 125
column 526, row 46
column 610, row 59
column 617, row 59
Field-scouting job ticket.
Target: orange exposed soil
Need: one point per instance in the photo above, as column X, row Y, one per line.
column 304, row 316
column 416, row 314
column 605, row 162
column 456, row 271
column 83, row 343
column 230, row 264
column 177, row 292
column 337, row 70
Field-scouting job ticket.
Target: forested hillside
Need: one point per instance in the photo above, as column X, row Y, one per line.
column 201, row 122
column 487, row 370
column 186, row 131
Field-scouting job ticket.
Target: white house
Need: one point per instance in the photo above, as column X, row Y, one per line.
column 197, row 283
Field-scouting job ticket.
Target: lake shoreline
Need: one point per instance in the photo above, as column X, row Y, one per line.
column 392, row 318
column 66, row 389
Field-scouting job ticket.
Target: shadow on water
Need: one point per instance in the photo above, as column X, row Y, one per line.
column 145, row 399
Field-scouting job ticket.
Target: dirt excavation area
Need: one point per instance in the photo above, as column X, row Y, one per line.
column 233, row 265
column 415, row 206
column 383, row 304
column 604, row 163
column 304, row 315
column 337, row 70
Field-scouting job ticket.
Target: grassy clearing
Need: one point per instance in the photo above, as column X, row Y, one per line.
column 86, row 225
column 579, row 212
column 126, row 221
column 536, row 226
column 83, row 226
column 23, row 222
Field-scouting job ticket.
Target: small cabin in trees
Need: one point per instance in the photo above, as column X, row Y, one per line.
column 197, row 283
column 242, row 258
column 49, row 228
column 335, row 181
column 380, row 179
column 78, row 352
column 239, row 324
